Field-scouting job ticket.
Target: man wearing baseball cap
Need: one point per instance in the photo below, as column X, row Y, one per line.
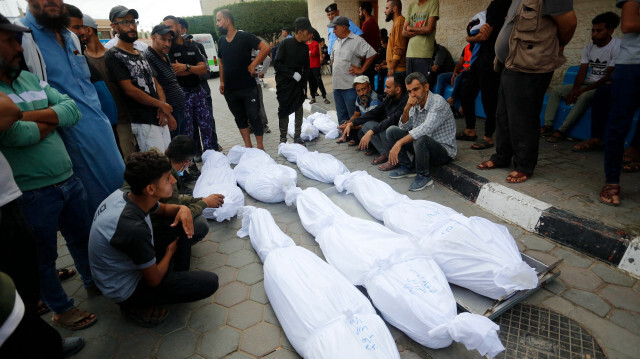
column 33, row 159
column 346, row 58
column 332, row 11
column 291, row 65
column 121, row 11
column 366, row 101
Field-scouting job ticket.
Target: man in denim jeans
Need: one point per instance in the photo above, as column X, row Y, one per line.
column 52, row 196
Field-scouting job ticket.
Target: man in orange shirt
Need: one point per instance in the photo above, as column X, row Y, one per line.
column 397, row 46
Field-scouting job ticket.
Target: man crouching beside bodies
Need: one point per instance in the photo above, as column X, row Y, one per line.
column 121, row 246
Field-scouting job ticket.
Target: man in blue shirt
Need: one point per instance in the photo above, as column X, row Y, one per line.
column 332, row 11
column 53, row 53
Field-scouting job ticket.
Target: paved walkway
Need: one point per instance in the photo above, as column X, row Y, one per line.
column 238, row 322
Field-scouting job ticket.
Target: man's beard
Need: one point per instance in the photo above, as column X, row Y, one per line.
column 389, row 17
column 222, row 30
column 53, row 22
column 124, row 36
column 6, row 67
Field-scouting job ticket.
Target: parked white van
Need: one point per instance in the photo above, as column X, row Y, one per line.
column 212, row 53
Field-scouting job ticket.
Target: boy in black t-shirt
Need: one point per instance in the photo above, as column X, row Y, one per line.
column 236, row 75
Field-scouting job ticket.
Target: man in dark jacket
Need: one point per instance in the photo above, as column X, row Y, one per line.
column 375, row 122
column 292, row 61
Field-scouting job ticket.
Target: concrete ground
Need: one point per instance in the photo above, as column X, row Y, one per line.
column 238, row 322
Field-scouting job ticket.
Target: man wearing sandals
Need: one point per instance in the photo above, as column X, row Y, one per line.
column 53, row 197
column 366, row 101
column 426, row 129
column 121, row 245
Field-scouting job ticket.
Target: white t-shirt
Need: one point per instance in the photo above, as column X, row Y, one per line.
column 599, row 58
column 8, row 188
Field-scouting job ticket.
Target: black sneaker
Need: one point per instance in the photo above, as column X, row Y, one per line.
column 71, row 346
column 193, row 170
column 267, row 129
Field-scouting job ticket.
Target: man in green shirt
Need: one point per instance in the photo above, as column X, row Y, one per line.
column 420, row 29
column 52, row 196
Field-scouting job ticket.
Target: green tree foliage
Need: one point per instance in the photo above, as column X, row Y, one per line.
column 204, row 24
column 265, row 18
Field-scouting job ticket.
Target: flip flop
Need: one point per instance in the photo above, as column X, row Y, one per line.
column 312, row 101
column 518, row 177
column 353, row 143
column 482, row 145
column 65, row 273
column 43, row 308
column 379, row 160
column 341, row 141
column 461, row 136
column 75, row 319
column 327, row 101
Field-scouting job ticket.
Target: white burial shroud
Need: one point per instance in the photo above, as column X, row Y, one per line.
column 404, row 282
column 218, row 177
column 322, row 314
column 308, row 132
column 260, row 175
column 325, row 124
column 321, row 167
column 473, row 252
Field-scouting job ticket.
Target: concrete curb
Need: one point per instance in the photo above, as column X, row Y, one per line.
column 614, row 246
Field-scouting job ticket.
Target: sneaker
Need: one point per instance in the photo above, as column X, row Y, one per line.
column 193, row 170
column 402, row 172
column 299, row 141
column 283, row 140
column 71, row 346
column 267, row 129
column 421, row 182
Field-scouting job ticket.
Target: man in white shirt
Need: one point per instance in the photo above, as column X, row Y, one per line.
column 596, row 67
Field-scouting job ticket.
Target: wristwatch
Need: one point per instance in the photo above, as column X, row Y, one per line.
column 188, row 67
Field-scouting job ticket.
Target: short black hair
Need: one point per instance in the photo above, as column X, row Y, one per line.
column 226, row 13
column 183, row 23
column 398, row 80
column 366, row 6
column 181, row 148
column 171, row 17
column 416, row 76
column 74, row 11
column 384, row 32
column 611, row 20
column 145, row 168
column 397, row 3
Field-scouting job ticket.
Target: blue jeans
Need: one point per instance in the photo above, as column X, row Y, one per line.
column 62, row 206
column 345, row 104
column 625, row 99
column 178, row 115
column 445, row 79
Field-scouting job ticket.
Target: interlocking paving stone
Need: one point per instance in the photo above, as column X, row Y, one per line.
column 537, row 243
column 612, row 275
column 230, row 246
column 238, row 355
column 559, row 305
column 270, row 315
column 138, row 346
column 98, row 348
column 258, row 294
column 261, row 339
column 241, row 258
column 218, row 343
column 207, row 318
column 245, row 315
column 588, row 300
column 231, row 294
column 177, row 319
column 179, row 344
column 621, row 297
column 287, row 217
column 224, row 234
column 282, row 354
column 627, row 320
column 296, row 228
column 571, row 258
column 203, row 248
column 579, row 278
column 226, row 275
column 211, row 261
column 251, row 274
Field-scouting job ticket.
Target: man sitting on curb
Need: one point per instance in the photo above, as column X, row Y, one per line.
column 366, row 101
column 426, row 129
column 121, row 249
column 375, row 122
column 599, row 58
column 180, row 152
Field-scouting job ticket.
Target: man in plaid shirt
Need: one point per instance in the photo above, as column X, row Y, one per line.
column 426, row 129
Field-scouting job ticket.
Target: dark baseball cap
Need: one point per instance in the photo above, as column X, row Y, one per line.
column 332, row 7
column 5, row 24
column 339, row 20
column 162, row 29
column 121, row 11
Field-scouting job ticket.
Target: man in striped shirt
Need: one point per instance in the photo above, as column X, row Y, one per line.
column 426, row 129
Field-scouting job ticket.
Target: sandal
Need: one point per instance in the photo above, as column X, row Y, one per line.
column 387, row 166
column 557, row 137
column 146, row 317
column 517, row 177
column 352, row 143
column 488, row 165
column 631, row 167
column 482, row 145
column 592, row 144
column 609, row 191
column 75, row 319
column 65, row 273
column 313, row 100
column 546, row 130
column 461, row 136
column 341, row 141
column 370, row 152
column 43, row 308
column 379, row 160
column 630, row 155
column 326, row 101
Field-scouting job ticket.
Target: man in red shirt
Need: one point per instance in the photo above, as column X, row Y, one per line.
column 370, row 33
